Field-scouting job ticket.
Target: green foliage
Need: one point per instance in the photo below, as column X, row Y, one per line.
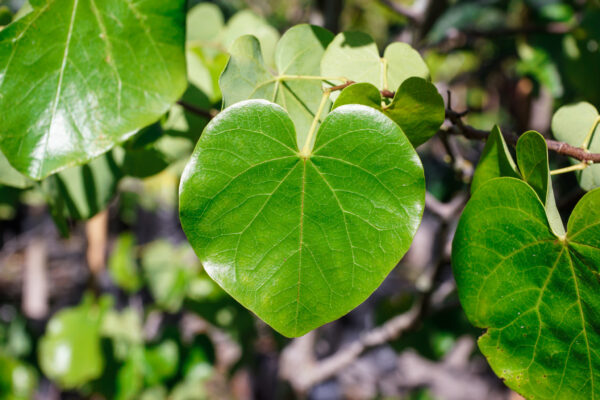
column 70, row 350
column 91, row 91
column 417, row 107
column 536, row 293
column 578, row 124
column 122, row 264
column 338, row 219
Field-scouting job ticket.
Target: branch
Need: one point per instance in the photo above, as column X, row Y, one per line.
column 565, row 149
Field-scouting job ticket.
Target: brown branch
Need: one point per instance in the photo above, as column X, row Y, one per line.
column 208, row 114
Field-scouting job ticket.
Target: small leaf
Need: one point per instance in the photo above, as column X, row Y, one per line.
column 571, row 124
column 71, row 101
column 354, row 55
column 298, row 53
column 495, row 161
column 532, row 157
column 204, row 23
column 535, row 293
column 417, row 106
column 247, row 23
column 301, row 241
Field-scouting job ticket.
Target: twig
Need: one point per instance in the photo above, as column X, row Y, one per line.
column 209, row 114
column 562, row 148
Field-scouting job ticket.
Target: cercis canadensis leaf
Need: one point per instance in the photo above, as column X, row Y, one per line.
column 79, row 76
column 354, row 55
column 297, row 57
column 301, row 239
column 417, row 106
column 536, row 293
column 575, row 124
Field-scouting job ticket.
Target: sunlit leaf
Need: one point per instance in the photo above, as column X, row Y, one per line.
column 301, row 241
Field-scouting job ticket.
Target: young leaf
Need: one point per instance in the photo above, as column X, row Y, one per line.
column 574, row 124
column 301, row 240
column 417, row 106
column 532, row 158
column 534, row 292
column 112, row 67
column 354, row 55
column 122, row 264
column 298, row 54
column 495, row 161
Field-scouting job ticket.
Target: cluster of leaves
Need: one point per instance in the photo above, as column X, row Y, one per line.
column 299, row 197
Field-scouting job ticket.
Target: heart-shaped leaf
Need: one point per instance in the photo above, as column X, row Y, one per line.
column 301, row 240
column 536, row 293
column 354, row 55
column 417, row 106
column 298, row 54
column 77, row 77
column 576, row 124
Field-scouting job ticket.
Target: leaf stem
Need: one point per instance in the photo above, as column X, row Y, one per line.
column 588, row 137
column 313, row 128
column 384, row 79
column 574, row 167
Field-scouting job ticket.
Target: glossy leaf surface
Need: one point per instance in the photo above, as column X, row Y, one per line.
column 417, row 106
column 571, row 124
column 298, row 52
column 79, row 76
column 536, row 294
column 301, row 241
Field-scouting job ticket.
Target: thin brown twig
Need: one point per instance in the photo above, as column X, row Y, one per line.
column 209, row 114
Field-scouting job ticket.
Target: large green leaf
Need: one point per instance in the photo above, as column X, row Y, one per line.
column 300, row 240
column 79, row 76
column 354, row 55
column 298, row 54
column 417, row 106
column 571, row 124
column 69, row 352
column 536, row 293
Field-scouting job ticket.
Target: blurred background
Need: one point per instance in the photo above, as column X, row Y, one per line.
column 101, row 297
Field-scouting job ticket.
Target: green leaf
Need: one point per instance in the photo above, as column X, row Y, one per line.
column 122, row 264
column 11, row 177
column 298, row 54
column 572, row 124
column 69, row 352
column 532, row 158
column 535, row 293
column 495, row 161
column 168, row 273
column 354, row 55
column 85, row 190
column 18, row 381
column 299, row 240
column 160, row 362
column 417, row 106
column 204, row 23
column 247, row 23
column 113, row 67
